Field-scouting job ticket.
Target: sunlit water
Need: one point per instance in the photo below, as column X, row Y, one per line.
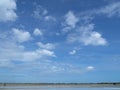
column 55, row 88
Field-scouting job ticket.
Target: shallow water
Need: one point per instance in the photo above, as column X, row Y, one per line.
column 55, row 88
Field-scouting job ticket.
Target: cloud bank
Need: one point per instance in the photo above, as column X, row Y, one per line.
column 7, row 10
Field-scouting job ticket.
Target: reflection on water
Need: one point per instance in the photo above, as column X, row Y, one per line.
column 55, row 88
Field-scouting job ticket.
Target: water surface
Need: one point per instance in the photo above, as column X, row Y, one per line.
column 55, row 88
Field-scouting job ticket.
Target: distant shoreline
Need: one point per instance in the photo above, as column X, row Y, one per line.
column 64, row 84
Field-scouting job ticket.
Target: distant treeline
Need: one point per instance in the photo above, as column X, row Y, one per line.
column 102, row 83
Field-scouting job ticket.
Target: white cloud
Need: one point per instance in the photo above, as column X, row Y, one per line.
column 72, row 52
column 20, row 35
column 7, row 10
column 48, row 46
column 50, row 67
column 30, row 56
column 37, row 32
column 66, row 68
column 11, row 50
column 35, row 59
column 90, row 37
column 56, row 69
column 42, row 14
column 85, row 34
column 70, row 19
column 45, row 52
column 110, row 10
column 90, row 68
column 39, row 12
column 66, row 29
column 94, row 38
column 48, row 18
column 36, row 55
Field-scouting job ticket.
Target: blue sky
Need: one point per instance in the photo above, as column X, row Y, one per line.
column 59, row 41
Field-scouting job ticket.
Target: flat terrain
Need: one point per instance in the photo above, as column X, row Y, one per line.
column 64, row 84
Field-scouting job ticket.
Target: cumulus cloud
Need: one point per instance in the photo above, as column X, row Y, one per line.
column 7, row 10
column 37, row 32
column 11, row 50
column 21, row 35
column 70, row 19
column 90, row 37
column 46, row 46
column 45, row 52
column 85, row 34
column 15, row 52
column 72, row 52
column 35, row 55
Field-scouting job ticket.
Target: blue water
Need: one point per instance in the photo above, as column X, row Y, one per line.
column 55, row 88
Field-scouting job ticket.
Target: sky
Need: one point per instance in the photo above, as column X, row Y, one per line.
column 59, row 41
